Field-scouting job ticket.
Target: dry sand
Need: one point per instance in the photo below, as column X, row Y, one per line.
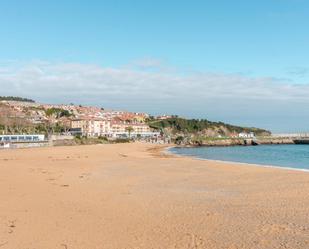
column 131, row 196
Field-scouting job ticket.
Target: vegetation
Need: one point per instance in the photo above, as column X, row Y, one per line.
column 181, row 125
column 17, row 125
column 120, row 140
column 102, row 138
column 8, row 98
column 179, row 139
column 129, row 129
column 34, row 108
column 81, row 140
column 89, row 140
column 58, row 112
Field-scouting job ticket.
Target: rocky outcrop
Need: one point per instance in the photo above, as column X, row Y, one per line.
column 218, row 142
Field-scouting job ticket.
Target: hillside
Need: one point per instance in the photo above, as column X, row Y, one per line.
column 201, row 127
column 26, row 117
column 19, row 117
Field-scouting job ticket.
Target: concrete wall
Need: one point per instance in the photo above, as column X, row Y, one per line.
column 61, row 137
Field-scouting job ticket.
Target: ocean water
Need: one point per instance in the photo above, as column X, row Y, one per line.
column 286, row 156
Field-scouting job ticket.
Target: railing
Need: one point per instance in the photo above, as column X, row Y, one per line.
column 21, row 138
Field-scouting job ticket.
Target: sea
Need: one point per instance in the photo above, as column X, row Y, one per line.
column 293, row 156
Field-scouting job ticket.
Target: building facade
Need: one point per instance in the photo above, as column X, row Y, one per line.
column 124, row 129
column 92, row 127
column 115, row 128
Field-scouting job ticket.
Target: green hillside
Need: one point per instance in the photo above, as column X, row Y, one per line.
column 193, row 126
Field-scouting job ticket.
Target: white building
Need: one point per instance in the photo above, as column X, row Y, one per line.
column 121, row 129
column 97, row 127
column 246, row 135
column 92, row 127
column 101, row 127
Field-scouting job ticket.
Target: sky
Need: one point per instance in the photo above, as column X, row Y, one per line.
column 242, row 62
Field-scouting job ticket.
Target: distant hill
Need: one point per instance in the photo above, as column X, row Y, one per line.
column 203, row 127
column 12, row 98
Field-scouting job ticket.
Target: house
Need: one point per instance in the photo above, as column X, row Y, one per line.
column 163, row 117
column 246, row 135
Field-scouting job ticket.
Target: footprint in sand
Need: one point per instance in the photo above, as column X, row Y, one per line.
column 4, row 243
column 190, row 241
column 11, row 226
column 84, row 175
column 50, row 179
column 64, row 246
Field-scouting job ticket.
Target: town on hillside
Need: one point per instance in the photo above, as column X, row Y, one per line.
column 24, row 120
column 26, row 116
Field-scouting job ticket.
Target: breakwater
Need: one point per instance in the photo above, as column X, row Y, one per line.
column 240, row 141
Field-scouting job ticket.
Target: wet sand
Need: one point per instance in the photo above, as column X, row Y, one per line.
column 134, row 196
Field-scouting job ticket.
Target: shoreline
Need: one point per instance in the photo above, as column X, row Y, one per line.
column 222, row 142
column 233, row 162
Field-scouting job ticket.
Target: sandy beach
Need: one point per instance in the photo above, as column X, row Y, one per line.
column 134, row 196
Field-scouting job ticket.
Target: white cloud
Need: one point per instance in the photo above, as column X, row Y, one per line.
column 195, row 94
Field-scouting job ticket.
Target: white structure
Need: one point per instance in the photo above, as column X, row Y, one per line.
column 149, row 134
column 246, row 135
column 21, row 138
column 92, row 127
column 289, row 135
column 102, row 127
column 121, row 129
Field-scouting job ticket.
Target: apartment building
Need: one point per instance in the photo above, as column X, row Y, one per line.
column 98, row 127
column 121, row 129
column 92, row 127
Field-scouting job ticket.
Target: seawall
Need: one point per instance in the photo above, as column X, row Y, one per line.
column 244, row 142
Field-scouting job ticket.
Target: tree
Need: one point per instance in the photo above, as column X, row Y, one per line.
column 129, row 129
column 179, row 140
column 12, row 98
column 58, row 112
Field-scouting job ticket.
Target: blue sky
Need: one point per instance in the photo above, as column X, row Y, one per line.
column 260, row 44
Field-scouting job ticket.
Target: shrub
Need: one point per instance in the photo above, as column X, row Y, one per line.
column 122, row 140
column 102, row 138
